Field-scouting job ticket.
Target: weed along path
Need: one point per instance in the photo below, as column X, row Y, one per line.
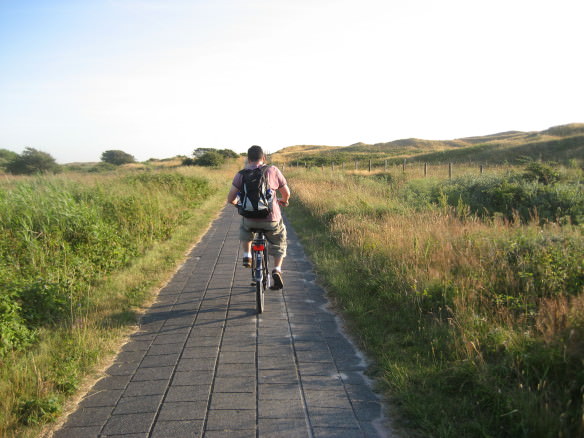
column 203, row 364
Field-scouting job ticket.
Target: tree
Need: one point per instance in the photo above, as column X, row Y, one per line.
column 117, row 157
column 6, row 156
column 32, row 161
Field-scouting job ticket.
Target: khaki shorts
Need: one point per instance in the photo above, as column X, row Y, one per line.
column 275, row 232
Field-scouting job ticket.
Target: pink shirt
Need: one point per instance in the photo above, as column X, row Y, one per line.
column 275, row 180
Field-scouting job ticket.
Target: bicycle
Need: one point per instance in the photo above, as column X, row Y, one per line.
column 260, row 274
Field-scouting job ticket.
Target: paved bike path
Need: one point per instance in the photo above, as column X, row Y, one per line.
column 203, row 364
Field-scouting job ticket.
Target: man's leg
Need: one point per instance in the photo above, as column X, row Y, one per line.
column 246, row 249
column 277, row 237
column 245, row 236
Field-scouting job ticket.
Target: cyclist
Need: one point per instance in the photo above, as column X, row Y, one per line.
column 273, row 225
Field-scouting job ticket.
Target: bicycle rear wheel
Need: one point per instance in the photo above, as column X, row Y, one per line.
column 262, row 286
column 260, row 292
column 260, row 279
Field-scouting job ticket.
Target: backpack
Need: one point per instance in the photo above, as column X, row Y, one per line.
column 255, row 198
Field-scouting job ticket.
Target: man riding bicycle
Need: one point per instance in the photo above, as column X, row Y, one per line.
column 272, row 225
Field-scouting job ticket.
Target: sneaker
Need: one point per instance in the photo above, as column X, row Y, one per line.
column 247, row 262
column 278, row 282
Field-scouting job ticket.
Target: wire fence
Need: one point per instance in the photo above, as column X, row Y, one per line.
column 413, row 169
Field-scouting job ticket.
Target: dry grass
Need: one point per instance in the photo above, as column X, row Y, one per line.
column 562, row 143
column 487, row 301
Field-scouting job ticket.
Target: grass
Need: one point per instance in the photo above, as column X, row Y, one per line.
column 475, row 317
column 92, row 294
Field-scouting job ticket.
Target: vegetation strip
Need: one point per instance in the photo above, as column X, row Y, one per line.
column 81, row 255
column 473, row 312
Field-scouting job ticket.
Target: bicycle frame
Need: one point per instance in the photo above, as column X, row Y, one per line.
column 258, row 248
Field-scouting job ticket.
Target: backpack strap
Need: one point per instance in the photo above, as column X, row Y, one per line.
column 265, row 168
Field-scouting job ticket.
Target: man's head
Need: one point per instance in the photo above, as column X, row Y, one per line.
column 255, row 153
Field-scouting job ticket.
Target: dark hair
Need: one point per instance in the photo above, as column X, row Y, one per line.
column 255, row 153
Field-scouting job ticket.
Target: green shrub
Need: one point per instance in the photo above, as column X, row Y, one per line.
column 513, row 195
column 58, row 238
column 38, row 410
column 14, row 334
column 228, row 153
column 117, row 157
column 210, row 159
column 43, row 303
column 547, row 265
column 542, row 173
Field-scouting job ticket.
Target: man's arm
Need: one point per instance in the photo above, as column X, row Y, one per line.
column 232, row 195
column 285, row 194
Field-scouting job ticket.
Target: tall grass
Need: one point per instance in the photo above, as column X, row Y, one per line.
column 58, row 237
column 80, row 254
column 474, row 313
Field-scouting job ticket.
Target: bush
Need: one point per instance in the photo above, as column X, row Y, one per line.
column 32, row 161
column 117, row 157
column 38, row 410
column 189, row 162
column 14, row 333
column 210, row 159
column 537, row 193
column 57, row 238
column 43, row 303
column 542, row 173
column 228, row 153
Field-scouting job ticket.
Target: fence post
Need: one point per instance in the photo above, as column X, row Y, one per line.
column 425, row 169
column 404, row 166
column 385, row 166
column 343, row 165
column 369, row 165
column 481, row 169
column 449, row 170
column 323, row 167
column 355, row 164
column 333, row 166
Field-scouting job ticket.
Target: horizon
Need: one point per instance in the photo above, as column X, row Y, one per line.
column 155, row 78
column 331, row 146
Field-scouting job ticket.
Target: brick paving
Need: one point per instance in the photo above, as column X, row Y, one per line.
column 203, row 364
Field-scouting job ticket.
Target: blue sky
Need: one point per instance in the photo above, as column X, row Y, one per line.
column 158, row 78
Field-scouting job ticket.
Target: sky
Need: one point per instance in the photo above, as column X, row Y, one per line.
column 159, row 78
